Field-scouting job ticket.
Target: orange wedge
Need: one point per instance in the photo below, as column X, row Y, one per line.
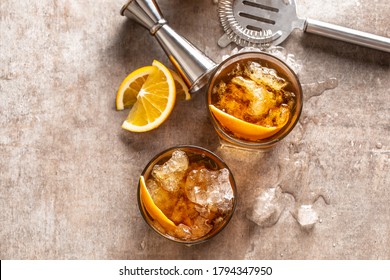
column 155, row 101
column 242, row 128
column 130, row 87
column 182, row 90
column 132, row 84
column 152, row 209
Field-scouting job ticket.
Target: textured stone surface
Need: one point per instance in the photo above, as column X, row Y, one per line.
column 68, row 172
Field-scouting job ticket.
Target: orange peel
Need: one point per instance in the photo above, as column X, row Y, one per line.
column 182, row 90
column 152, row 208
column 243, row 129
column 155, row 101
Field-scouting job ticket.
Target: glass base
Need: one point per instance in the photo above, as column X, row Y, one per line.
column 223, row 144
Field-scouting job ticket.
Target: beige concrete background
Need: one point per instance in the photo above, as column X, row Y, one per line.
column 69, row 172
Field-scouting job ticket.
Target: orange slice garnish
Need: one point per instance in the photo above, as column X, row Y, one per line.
column 152, row 208
column 243, row 129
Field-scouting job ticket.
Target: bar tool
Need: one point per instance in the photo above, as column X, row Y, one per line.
column 189, row 61
column 270, row 22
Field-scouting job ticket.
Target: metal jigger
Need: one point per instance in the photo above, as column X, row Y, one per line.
column 192, row 64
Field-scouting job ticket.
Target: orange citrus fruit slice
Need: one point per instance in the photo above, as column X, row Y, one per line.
column 242, row 128
column 151, row 207
column 130, row 87
column 155, row 100
column 182, row 90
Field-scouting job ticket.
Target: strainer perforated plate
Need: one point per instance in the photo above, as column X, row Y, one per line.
column 238, row 19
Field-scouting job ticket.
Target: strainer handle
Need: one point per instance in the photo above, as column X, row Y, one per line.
column 347, row 35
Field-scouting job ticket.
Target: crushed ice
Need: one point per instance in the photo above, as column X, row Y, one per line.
column 171, row 173
column 277, row 51
column 210, row 188
column 179, row 181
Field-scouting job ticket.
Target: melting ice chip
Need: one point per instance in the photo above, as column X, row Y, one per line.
column 306, row 217
column 266, row 76
column 199, row 228
column 171, row 173
column 260, row 99
column 211, row 189
column 267, row 208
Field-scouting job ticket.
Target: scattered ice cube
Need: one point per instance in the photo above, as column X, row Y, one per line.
column 171, row 173
column 307, row 217
column 211, row 189
column 267, row 208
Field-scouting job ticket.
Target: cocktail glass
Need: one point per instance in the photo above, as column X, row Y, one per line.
column 194, row 189
column 225, row 72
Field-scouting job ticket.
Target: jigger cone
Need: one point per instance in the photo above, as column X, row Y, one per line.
column 193, row 65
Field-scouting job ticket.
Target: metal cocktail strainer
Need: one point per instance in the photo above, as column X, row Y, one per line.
column 270, row 22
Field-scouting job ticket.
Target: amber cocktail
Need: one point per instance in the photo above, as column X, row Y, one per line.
column 187, row 194
column 255, row 100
